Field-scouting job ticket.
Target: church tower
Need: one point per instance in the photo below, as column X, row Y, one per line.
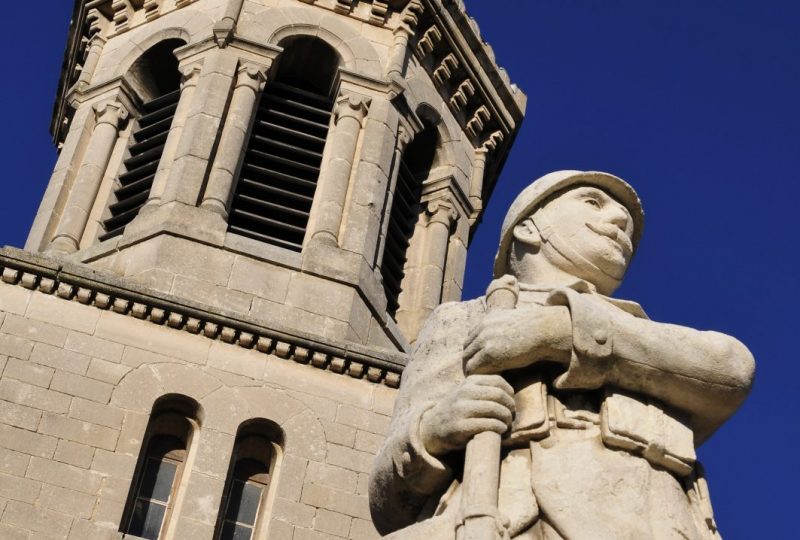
column 256, row 205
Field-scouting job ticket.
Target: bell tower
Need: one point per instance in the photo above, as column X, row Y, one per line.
column 315, row 164
column 256, row 205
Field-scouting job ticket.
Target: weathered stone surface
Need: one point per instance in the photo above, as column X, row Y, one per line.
column 617, row 407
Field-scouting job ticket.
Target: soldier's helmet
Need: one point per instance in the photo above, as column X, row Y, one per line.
column 538, row 192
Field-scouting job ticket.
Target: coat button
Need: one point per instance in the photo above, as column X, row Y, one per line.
column 600, row 336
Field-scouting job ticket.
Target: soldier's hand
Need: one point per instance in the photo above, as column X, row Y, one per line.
column 480, row 403
column 513, row 339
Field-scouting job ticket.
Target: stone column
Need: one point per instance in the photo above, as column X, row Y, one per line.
column 349, row 113
column 190, row 74
column 402, row 35
column 93, row 50
column 110, row 115
column 442, row 215
column 403, row 138
column 250, row 81
column 199, row 136
column 478, row 176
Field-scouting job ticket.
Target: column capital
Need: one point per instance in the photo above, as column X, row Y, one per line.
column 189, row 74
column 442, row 210
column 352, row 105
column 111, row 112
column 252, row 75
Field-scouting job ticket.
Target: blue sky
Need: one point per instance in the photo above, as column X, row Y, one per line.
column 695, row 103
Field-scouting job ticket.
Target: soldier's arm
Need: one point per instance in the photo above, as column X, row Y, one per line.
column 405, row 474
column 705, row 374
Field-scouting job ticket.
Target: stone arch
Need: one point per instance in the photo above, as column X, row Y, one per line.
column 432, row 117
column 275, row 25
column 190, row 26
column 143, row 386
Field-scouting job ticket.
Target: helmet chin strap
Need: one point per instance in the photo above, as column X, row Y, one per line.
column 564, row 249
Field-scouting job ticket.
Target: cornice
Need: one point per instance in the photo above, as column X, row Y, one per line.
column 80, row 283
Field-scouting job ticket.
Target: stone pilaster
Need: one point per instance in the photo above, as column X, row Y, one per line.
column 189, row 75
column 250, row 81
column 110, row 115
column 350, row 111
column 403, row 138
column 93, row 50
column 402, row 34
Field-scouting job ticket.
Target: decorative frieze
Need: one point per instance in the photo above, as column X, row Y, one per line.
column 152, row 9
column 48, row 277
column 445, row 70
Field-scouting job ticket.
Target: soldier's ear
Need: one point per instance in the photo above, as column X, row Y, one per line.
column 526, row 232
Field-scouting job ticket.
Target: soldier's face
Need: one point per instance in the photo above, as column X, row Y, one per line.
column 589, row 231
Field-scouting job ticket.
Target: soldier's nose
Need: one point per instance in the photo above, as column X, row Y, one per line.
column 618, row 216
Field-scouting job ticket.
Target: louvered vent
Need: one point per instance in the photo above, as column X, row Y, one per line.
column 135, row 183
column 279, row 175
column 404, row 217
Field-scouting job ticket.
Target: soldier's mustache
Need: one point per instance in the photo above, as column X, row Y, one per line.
column 615, row 233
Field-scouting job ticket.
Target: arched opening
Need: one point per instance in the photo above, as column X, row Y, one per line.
column 243, row 509
column 279, row 173
column 154, row 491
column 157, row 81
column 419, row 158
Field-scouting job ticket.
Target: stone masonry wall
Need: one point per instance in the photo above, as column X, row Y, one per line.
column 77, row 384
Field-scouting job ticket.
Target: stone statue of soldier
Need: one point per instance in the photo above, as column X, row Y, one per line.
column 600, row 409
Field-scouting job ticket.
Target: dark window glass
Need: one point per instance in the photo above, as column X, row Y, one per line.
column 250, row 479
column 156, row 486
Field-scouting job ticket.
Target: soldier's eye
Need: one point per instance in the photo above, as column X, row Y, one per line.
column 591, row 201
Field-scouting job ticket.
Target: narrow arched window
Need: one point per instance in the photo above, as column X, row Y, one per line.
column 415, row 166
column 156, row 73
column 281, row 166
column 154, row 491
column 247, row 492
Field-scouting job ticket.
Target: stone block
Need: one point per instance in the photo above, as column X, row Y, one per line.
column 320, row 296
column 94, row 347
column 348, row 458
column 19, row 489
column 60, row 359
column 115, row 489
column 26, row 442
column 33, row 396
column 78, row 431
column 132, row 434
column 214, row 450
column 279, row 529
column 19, row 415
column 12, row 462
column 103, row 415
column 16, row 347
column 332, row 523
column 202, row 500
column 108, row 372
column 3, row 363
column 362, row 529
column 87, row 530
column 336, row 501
column 320, row 383
column 114, row 464
column 260, row 279
column 67, row 501
column 63, row 475
column 75, row 454
column 309, row 534
column 84, row 387
column 135, row 358
column 363, row 484
column 211, row 295
column 37, row 519
column 28, row 372
column 368, row 442
column 35, row 330
column 147, row 336
column 363, row 419
column 324, row 408
column 298, row 514
column 108, row 511
column 383, row 399
column 64, row 313
column 339, row 434
column 227, row 357
column 292, row 477
column 14, row 299
column 332, row 476
column 7, row 532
